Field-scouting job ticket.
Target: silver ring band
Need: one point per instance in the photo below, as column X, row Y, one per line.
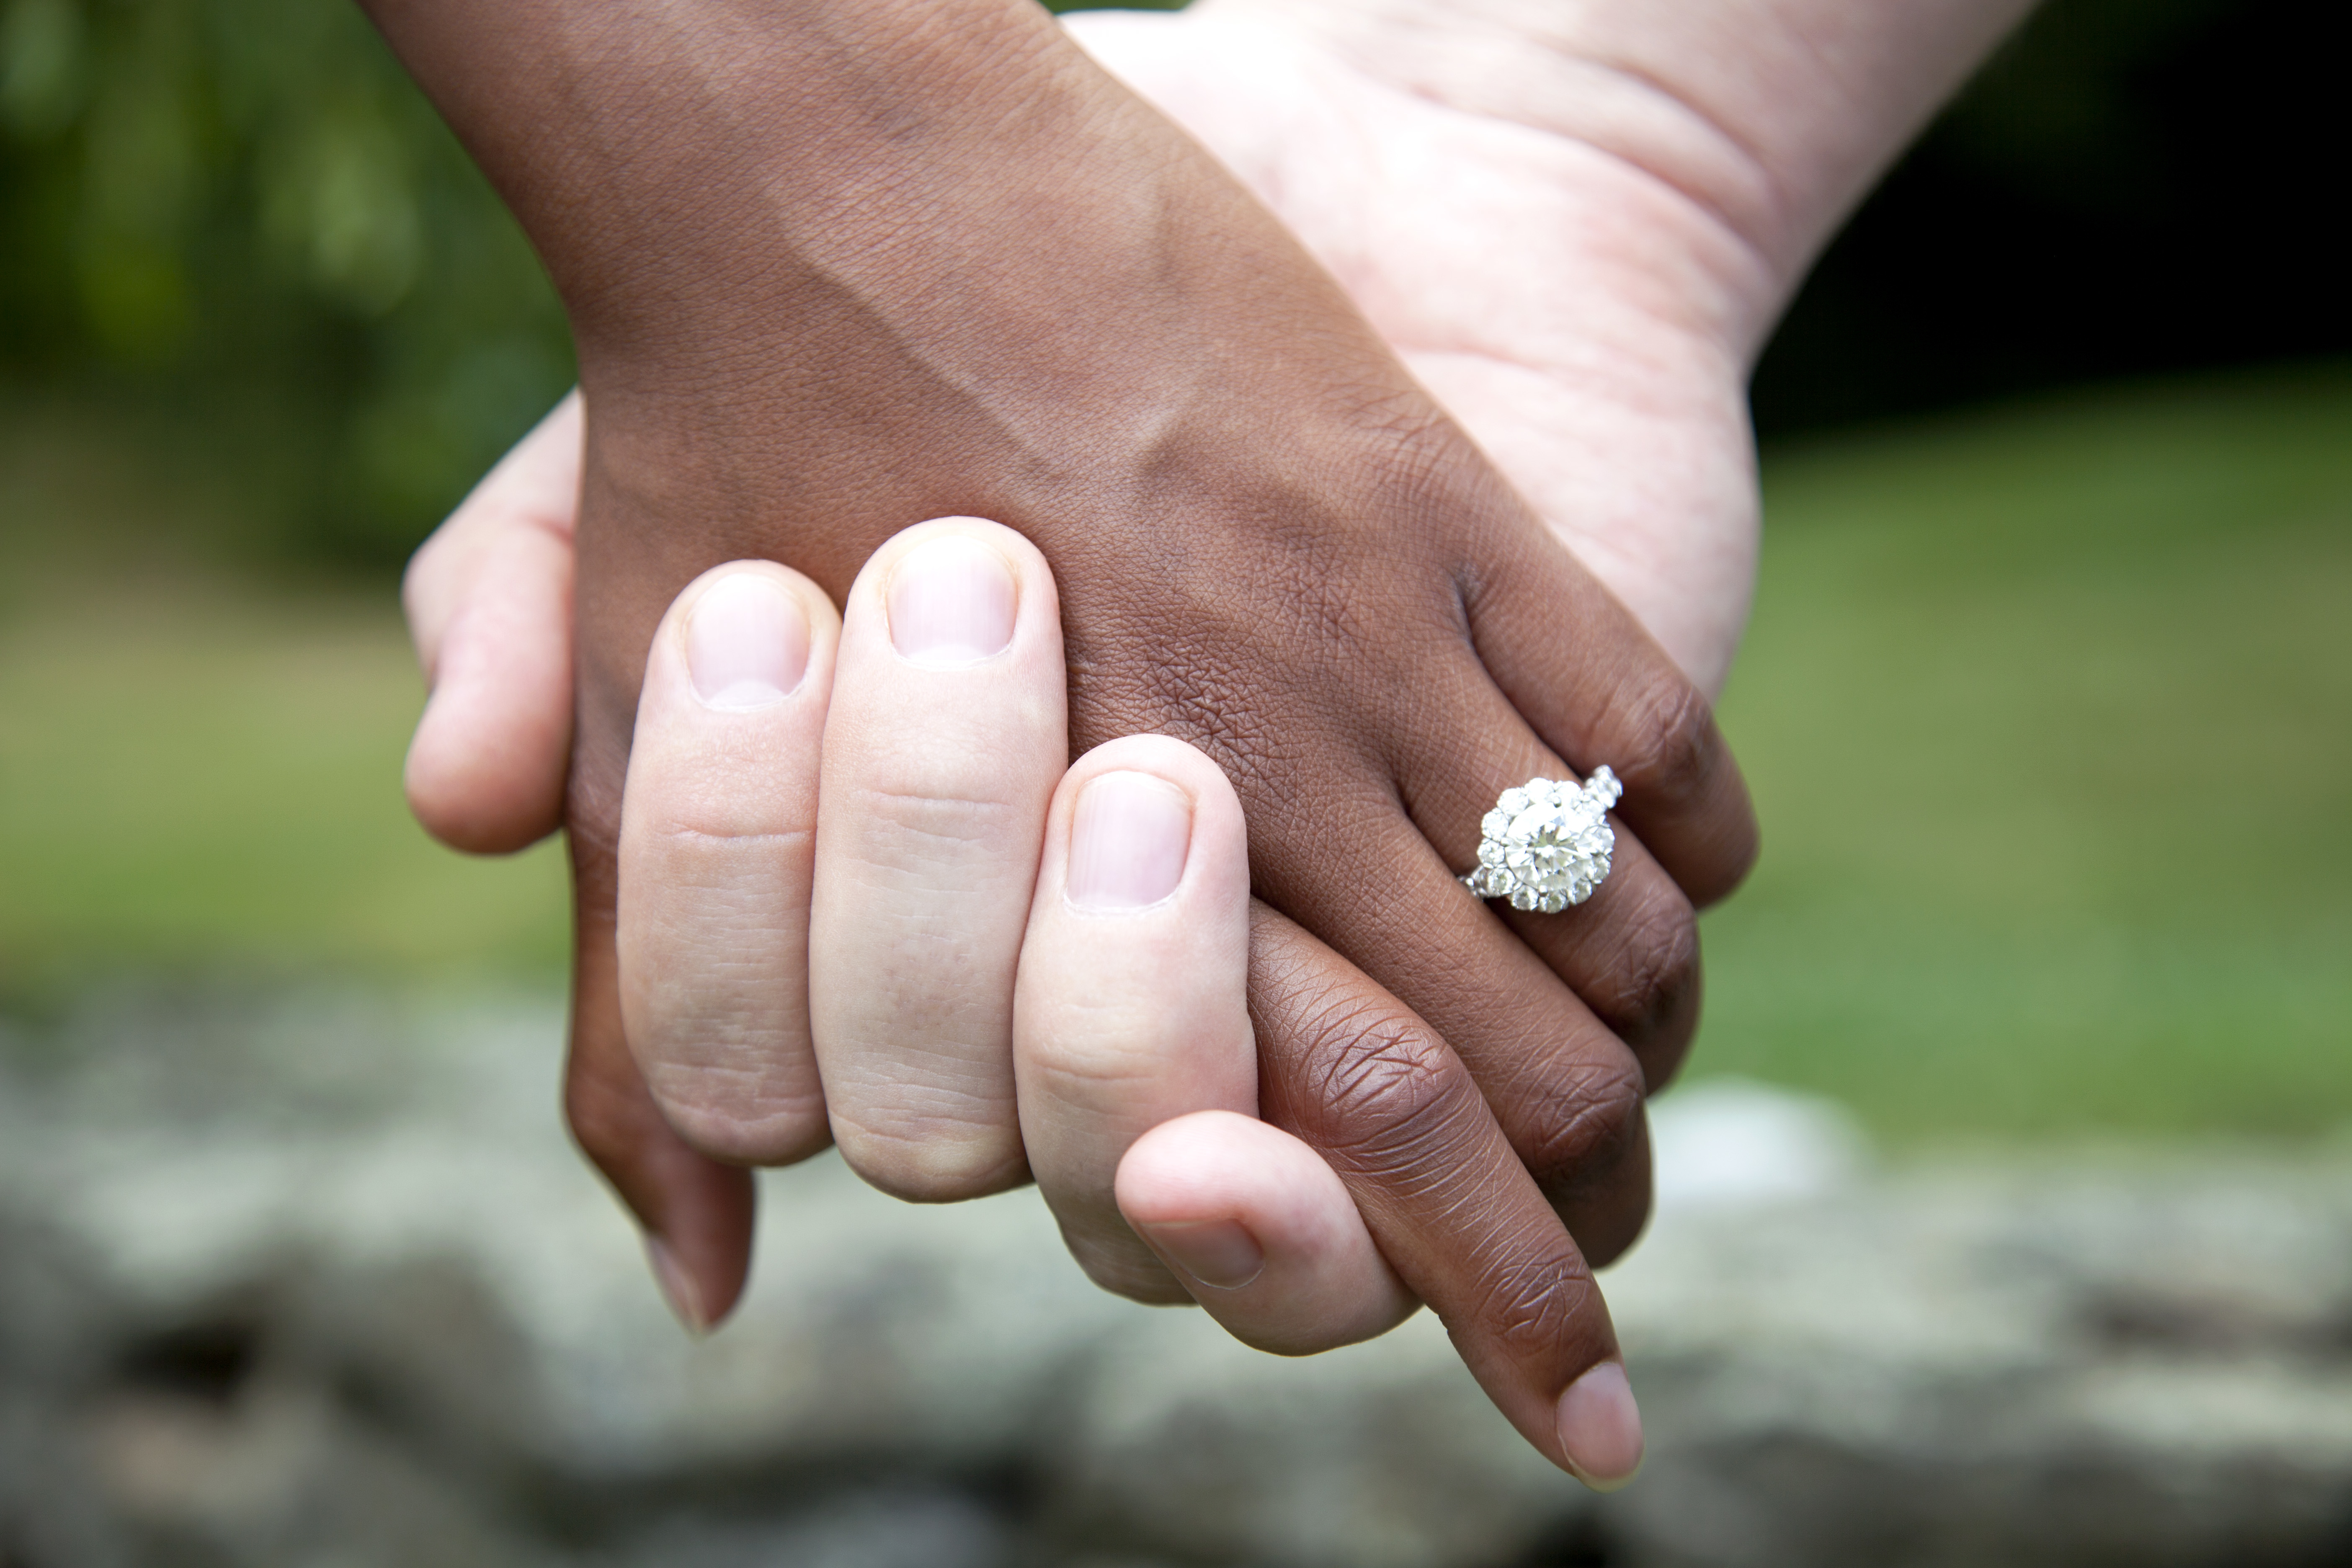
column 1546, row 843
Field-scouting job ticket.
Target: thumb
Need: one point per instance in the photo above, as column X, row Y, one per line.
column 488, row 599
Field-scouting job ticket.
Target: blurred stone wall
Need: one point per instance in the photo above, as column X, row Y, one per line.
column 320, row 1282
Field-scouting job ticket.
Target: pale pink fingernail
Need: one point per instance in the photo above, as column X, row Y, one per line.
column 1601, row 1427
column 1220, row 1253
column 951, row 603
column 678, row 1287
column 1128, row 842
column 747, row 643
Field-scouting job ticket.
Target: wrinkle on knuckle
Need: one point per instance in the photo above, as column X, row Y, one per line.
column 1665, row 738
column 939, row 815
column 1095, row 1076
column 1531, row 1304
column 1583, row 1122
column 712, row 835
column 1655, row 966
column 1387, row 1096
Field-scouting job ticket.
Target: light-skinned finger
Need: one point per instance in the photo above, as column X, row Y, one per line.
column 489, row 601
column 1261, row 1232
column 717, row 854
column 946, row 738
column 1130, row 1008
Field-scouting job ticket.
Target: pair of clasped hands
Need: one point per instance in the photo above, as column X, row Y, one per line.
column 1155, row 445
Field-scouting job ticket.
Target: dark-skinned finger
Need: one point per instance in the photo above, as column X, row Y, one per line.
column 1567, row 1091
column 1631, row 951
column 695, row 1212
column 1581, row 670
column 1349, row 1069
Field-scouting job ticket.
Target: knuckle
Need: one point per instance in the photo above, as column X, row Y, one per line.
column 1533, row 1304
column 928, row 1167
column 1655, row 972
column 1666, row 737
column 1585, row 1122
column 1100, row 1075
column 769, row 1131
column 921, row 820
column 1385, row 1091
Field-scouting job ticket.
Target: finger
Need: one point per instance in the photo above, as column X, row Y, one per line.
column 1566, row 1093
column 1262, row 1232
column 1130, row 1008
column 1630, row 953
column 1598, row 690
column 718, row 848
column 695, row 1212
column 1138, row 1070
column 488, row 599
column 946, row 738
column 1352, row 1072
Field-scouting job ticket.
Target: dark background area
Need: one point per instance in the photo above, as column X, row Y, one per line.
column 2130, row 187
column 234, row 220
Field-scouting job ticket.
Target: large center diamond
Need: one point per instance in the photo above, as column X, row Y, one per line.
column 1547, row 844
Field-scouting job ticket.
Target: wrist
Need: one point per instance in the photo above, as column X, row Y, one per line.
column 662, row 158
column 1766, row 120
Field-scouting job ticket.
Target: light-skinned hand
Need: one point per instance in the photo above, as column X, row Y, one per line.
column 905, row 761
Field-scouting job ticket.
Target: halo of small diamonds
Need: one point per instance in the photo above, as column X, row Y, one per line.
column 1547, row 844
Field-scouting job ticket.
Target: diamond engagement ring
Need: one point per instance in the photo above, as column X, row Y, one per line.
column 1547, row 844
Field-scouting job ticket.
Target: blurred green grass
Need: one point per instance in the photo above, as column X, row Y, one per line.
column 2045, row 711
column 200, row 755
column 2048, row 714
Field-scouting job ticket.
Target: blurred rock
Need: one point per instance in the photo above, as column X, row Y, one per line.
column 321, row 1282
column 1728, row 1143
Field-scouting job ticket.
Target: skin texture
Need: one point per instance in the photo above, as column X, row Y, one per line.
column 1134, row 1067
column 1338, row 599
column 795, row 336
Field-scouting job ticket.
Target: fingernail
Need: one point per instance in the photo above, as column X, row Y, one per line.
column 676, row 1287
column 747, row 643
column 1220, row 1253
column 951, row 603
column 1601, row 1427
column 1128, row 842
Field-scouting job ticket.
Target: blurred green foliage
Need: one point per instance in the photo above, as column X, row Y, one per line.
column 240, row 217
column 240, row 211
column 2042, row 709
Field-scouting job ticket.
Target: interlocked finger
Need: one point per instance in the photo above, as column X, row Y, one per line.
column 1130, row 1009
column 1630, row 953
column 718, row 847
column 946, row 737
column 1138, row 1068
